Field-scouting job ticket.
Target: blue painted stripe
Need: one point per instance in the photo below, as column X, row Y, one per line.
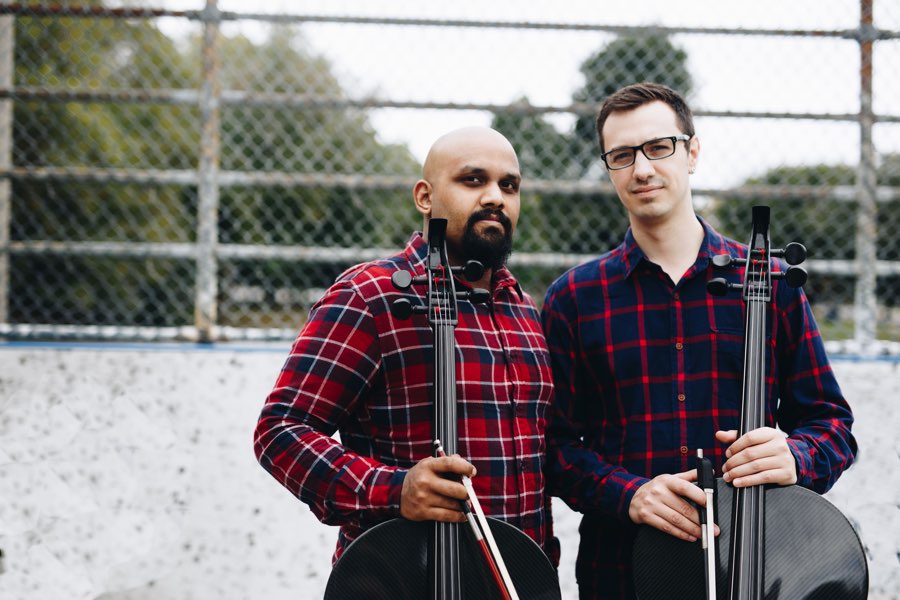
column 273, row 347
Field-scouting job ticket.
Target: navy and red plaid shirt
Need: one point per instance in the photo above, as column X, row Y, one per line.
column 357, row 370
column 646, row 371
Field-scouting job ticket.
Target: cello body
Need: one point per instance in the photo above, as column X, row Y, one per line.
column 812, row 552
column 390, row 562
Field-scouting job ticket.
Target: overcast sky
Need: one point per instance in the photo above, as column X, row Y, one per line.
column 749, row 73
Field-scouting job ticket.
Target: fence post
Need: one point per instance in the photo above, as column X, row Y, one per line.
column 7, row 80
column 205, row 306
column 865, row 301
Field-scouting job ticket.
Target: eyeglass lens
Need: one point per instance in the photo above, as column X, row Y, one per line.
column 654, row 150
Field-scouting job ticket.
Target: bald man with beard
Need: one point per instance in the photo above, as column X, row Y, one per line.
column 356, row 370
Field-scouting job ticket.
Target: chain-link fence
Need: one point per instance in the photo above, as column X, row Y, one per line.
column 189, row 172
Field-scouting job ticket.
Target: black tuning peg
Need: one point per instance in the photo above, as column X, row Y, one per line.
column 794, row 276
column 473, row 270
column 720, row 286
column 403, row 279
column 721, row 261
column 478, row 296
column 793, row 253
column 401, row 308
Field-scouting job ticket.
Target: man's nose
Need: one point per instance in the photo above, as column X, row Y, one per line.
column 493, row 195
column 643, row 166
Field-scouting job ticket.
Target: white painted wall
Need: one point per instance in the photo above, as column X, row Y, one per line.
column 127, row 473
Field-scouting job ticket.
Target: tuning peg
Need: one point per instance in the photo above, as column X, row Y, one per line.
column 793, row 253
column 726, row 260
column 401, row 308
column 403, row 279
column 473, row 270
column 794, row 276
column 720, row 286
column 478, row 295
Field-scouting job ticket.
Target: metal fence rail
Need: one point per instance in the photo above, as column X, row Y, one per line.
column 207, row 185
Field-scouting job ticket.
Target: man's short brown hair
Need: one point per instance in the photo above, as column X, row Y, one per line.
column 638, row 94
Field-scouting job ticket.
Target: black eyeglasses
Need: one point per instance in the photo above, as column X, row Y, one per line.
column 663, row 147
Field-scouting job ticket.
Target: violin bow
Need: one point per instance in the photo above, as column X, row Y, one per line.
column 707, row 482
column 484, row 537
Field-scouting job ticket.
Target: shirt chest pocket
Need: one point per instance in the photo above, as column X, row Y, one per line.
column 727, row 347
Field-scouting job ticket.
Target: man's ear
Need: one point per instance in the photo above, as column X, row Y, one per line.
column 422, row 197
column 693, row 153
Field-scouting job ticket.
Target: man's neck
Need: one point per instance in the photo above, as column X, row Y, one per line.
column 672, row 244
column 485, row 281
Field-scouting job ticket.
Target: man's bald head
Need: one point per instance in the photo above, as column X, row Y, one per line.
column 460, row 145
column 471, row 178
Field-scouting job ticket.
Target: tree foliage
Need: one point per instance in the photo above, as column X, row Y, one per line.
column 100, row 54
column 581, row 223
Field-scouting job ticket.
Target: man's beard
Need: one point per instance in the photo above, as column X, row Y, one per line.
column 490, row 248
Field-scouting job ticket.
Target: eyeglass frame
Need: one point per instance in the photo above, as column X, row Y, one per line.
column 682, row 137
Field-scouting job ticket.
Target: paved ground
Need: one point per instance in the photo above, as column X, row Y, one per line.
column 127, row 473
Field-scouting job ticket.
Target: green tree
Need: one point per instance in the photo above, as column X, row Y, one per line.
column 326, row 139
column 825, row 225
column 92, row 54
column 624, row 61
column 577, row 222
column 101, row 54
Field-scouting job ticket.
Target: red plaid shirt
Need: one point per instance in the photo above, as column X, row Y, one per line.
column 357, row 370
column 646, row 371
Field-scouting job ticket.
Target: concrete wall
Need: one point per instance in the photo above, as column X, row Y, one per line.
column 127, row 473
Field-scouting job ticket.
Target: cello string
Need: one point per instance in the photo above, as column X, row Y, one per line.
column 753, row 518
column 446, row 409
column 745, row 561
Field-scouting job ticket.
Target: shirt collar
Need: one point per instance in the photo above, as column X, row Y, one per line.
column 713, row 243
column 417, row 251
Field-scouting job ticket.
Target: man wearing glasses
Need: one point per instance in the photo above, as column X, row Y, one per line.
column 648, row 366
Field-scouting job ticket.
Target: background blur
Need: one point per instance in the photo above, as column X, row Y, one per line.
column 181, row 170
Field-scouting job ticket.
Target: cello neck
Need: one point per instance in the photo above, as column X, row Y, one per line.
column 757, row 294
column 444, row 418
column 444, row 563
column 445, row 547
column 747, row 551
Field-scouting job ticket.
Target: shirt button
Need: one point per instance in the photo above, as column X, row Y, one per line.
column 681, row 397
column 684, row 449
column 677, row 296
column 679, row 346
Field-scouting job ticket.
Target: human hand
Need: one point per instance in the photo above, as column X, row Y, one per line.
column 662, row 503
column 757, row 457
column 427, row 495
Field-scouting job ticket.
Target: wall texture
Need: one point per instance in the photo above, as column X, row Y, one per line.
column 127, row 473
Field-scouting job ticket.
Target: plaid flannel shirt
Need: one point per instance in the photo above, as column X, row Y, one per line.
column 357, row 370
column 646, row 371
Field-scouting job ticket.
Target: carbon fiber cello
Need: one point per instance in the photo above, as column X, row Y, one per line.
column 405, row 560
column 776, row 542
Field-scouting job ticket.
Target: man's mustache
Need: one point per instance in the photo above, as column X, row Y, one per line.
column 490, row 214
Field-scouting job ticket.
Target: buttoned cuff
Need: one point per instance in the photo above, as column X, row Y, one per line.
column 802, row 462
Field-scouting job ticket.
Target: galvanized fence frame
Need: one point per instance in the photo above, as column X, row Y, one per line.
column 209, row 179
